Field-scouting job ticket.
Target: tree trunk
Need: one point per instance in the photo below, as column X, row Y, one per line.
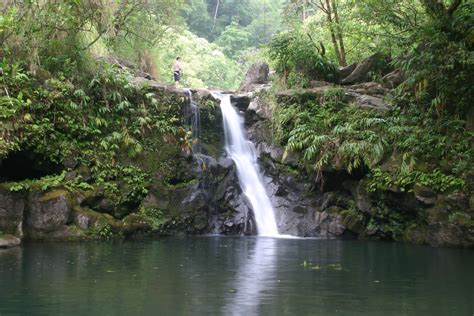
column 331, row 29
column 215, row 15
column 343, row 62
column 437, row 8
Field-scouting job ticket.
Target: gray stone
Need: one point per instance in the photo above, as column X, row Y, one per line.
column 260, row 107
column 241, row 101
column 361, row 197
column 290, row 157
column 257, row 74
column 369, row 88
column 276, row 153
column 346, row 71
column 70, row 162
column 319, row 83
column 8, row 241
column 449, row 235
column 48, row 212
column 12, row 206
column 394, row 78
column 352, row 221
column 374, row 63
column 329, row 225
column 301, row 95
column 83, row 221
column 425, row 195
column 367, row 101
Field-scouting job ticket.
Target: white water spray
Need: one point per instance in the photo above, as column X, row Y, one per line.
column 242, row 152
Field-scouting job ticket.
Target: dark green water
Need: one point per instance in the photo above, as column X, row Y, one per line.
column 235, row 276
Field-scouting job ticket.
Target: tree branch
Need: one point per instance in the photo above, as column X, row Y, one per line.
column 453, row 7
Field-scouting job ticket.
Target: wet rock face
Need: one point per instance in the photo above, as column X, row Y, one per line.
column 12, row 206
column 450, row 235
column 343, row 208
column 48, row 212
column 210, row 202
column 8, row 241
column 301, row 207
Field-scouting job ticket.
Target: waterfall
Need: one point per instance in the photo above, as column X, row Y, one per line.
column 193, row 120
column 242, row 151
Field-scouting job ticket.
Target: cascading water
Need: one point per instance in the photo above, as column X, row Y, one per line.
column 242, row 152
column 194, row 121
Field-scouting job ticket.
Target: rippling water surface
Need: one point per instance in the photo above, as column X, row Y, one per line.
column 235, row 276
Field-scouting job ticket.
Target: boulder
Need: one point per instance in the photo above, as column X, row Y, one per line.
column 393, row 79
column 319, row 83
column 352, row 221
column 368, row 95
column 241, row 100
column 375, row 64
column 361, row 197
column 260, row 108
column 257, row 74
column 8, row 241
column 450, row 235
column 48, row 212
column 370, row 88
column 346, row 71
column 82, row 220
column 367, row 102
column 302, row 95
column 425, row 195
column 329, row 224
column 12, row 206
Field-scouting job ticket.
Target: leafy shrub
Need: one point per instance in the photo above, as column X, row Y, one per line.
column 291, row 53
column 441, row 65
column 399, row 148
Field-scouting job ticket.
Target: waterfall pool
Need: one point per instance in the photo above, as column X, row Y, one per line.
column 235, row 276
column 242, row 152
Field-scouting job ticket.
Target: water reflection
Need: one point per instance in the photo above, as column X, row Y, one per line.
column 235, row 276
column 256, row 273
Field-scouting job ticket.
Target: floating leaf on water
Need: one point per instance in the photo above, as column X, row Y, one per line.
column 335, row 266
column 316, row 268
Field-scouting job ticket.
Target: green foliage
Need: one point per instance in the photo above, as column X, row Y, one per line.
column 43, row 184
column 233, row 40
column 435, row 179
column 153, row 216
column 296, row 59
column 260, row 19
column 462, row 219
column 386, row 223
column 442, row 63
column 103, row 230
column 326, row 137
column 55, row 34
column 398, row 148
column 204, row 65
column 122, row 184
column 102, row 121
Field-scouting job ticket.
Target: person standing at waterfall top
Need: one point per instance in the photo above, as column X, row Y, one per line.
column 176, row 71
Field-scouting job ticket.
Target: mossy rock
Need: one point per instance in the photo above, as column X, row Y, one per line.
column 416, row 233
column 352, row 221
